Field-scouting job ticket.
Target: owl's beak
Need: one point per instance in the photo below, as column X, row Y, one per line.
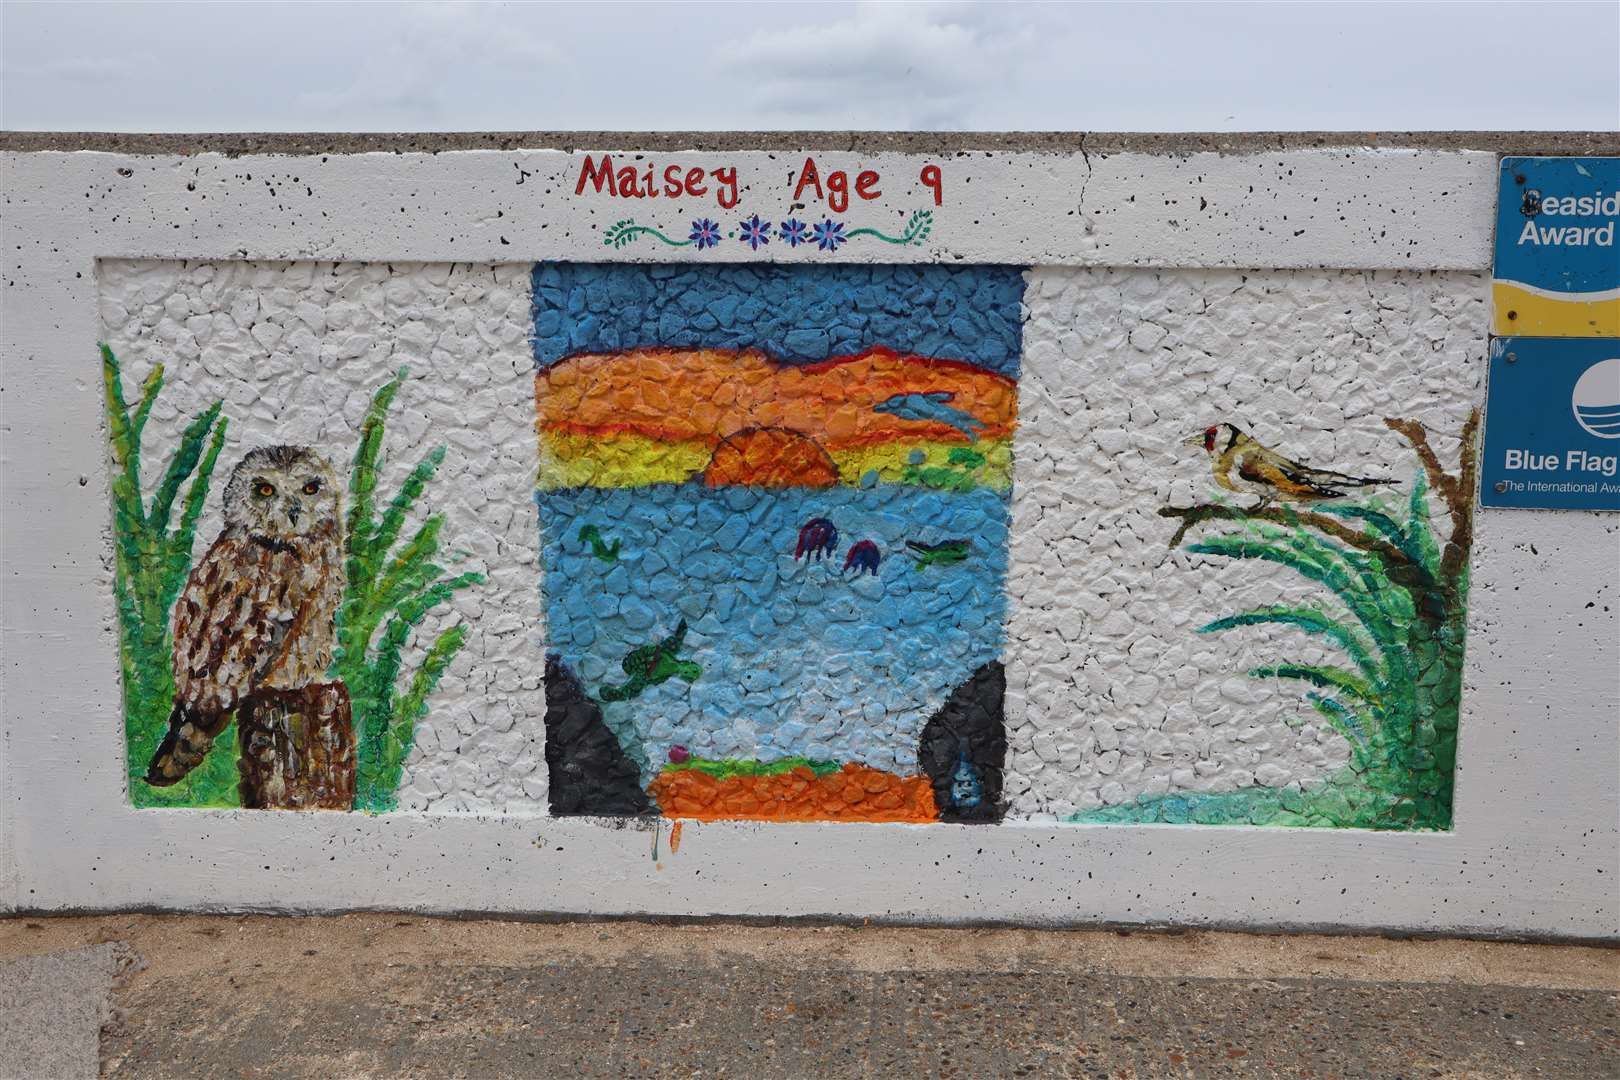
column 293, row 510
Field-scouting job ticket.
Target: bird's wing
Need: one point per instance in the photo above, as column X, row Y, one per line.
column 223, row 639
column 1287, row 477
column 1306, row 474
column 228, row 625
column 1339, row 479
column 938, row 396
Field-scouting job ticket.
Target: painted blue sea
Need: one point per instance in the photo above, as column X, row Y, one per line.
column 797, row 655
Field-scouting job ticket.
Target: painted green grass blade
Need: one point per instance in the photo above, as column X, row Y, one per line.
column 1348, row 721
column 1381, row 525
column 363, row 480
column 1315, row 563
column 149, row 568
column 1312, row 621
column 391, row 746
column 1360, row 585
column 413, row 609
column 377, row 702
column 129, row 510
column 125, row 447
column 411, row 563
column 1326, row 564
column 1418, row 524
column 185, row 459
column 391, row 592
column 393, row 519
column 410, row 583
column 413, row 705
column 178, row 557
column 149, row 393
column 1322, row 676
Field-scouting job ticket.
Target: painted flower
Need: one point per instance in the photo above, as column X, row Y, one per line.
column 705, row 233
column 755, row 232
column 794, row 232
column 829, row 234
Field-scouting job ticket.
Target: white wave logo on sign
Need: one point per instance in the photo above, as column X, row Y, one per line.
column 1596, row 399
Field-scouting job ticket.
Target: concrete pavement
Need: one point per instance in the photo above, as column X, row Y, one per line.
column 380, row 995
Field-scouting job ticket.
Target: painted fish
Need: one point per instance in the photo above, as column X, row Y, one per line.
column 592, row 536
column 653, row 664
column 945, row 553
column 864, row 557
column 817, row 538
column 931, row 407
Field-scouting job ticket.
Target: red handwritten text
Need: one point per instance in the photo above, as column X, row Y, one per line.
column 646, row 181
column 836, row 194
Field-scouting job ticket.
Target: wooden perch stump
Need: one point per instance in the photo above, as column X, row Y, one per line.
column 297, row 749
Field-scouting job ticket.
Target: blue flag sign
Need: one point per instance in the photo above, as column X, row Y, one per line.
column 1552, row 424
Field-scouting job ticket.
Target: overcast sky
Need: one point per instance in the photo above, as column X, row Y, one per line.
column 473, row 66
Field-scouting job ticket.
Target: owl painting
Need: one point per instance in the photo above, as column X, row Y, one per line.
column 253, row 637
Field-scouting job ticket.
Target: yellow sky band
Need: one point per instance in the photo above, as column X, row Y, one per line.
column 628, row 460
column 1538, row 315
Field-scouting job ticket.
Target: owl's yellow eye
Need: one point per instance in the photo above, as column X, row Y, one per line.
column 265, row 489
column 312, row 487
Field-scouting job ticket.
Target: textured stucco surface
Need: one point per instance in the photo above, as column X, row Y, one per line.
column 1112, row 692
column 296, row 350
column 1117, row 694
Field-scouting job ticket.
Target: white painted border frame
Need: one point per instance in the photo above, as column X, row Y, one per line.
column 1536, row 850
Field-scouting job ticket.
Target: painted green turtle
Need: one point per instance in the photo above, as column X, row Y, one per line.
column 653, row 664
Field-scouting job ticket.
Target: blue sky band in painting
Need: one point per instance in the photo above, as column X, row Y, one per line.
column 797, row 314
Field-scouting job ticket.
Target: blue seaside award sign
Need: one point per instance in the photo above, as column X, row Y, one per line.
column 1552, row 397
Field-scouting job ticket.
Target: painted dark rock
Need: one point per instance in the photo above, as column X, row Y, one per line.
column 963, row 748
column 590, row 772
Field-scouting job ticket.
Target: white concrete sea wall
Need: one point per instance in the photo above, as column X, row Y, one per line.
column 1125, row 747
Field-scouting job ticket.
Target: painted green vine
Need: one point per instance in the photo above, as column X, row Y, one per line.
column 827, row 235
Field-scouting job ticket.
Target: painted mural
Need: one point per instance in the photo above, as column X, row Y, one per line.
column 786, row 571
column 268, row 674
column 1398, row 584
column 773, row 506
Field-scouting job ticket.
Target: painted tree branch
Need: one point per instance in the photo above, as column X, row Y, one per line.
column 1414, row 432
column 1393, row 556
column 1456, row 490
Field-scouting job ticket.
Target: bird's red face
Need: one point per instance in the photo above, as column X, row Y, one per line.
column 1208, row 439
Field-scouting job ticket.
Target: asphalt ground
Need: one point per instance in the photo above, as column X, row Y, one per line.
column 377, row 995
